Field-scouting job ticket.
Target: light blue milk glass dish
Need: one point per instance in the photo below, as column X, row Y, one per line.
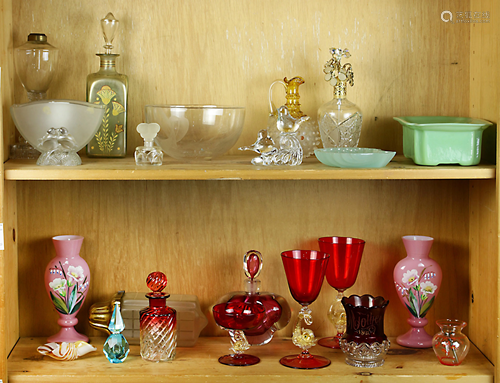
column 435, row 140
column 354, row 157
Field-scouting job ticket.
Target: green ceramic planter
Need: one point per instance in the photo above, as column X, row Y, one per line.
column 429, row 140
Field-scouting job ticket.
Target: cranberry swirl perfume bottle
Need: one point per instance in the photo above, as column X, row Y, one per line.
column 158, row 322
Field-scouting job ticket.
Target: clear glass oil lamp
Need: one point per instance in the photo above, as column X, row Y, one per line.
column 36, row 64
column 339, row 119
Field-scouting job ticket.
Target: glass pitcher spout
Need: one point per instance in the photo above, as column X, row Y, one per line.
column 292, row 96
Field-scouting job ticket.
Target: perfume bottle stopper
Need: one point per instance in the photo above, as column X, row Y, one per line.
column 109, row 27
column 338, row 75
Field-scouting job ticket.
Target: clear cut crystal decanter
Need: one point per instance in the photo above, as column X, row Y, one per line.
column 339, row 119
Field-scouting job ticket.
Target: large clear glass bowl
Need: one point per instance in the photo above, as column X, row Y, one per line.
column 196, row 132
column 34, row 119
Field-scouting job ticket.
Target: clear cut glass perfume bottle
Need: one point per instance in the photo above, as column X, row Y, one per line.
column 158, row 322
column 109, row 88
column 339, row 119
column 148, row 154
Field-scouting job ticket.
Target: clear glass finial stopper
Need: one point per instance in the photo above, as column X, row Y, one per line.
column 109, row 27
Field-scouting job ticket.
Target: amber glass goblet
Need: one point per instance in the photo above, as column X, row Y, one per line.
column 341, row 272
column 305, row 271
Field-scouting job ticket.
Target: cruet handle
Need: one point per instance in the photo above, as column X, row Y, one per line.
column 272, row 108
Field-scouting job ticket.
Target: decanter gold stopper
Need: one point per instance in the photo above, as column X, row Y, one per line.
column 338, row 76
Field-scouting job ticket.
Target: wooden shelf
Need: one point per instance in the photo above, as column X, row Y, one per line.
column 199, row 364
column 236, row 168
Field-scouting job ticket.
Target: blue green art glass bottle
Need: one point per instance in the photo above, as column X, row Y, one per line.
column 116, row 347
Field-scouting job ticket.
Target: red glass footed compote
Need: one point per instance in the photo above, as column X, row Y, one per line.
column 341, row 272
column 237, row 317
column 305, row 271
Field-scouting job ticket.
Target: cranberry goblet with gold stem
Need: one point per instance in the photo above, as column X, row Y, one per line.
column 341, row 273
column 305, row 272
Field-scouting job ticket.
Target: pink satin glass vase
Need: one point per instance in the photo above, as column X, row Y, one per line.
column 67, row 278
column 417, row 279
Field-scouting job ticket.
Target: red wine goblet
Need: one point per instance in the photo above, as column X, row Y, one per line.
column 305, row 271
column 341, row 272
column 237, row 317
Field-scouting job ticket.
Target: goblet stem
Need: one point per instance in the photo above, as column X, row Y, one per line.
column 337, row 316
column 304, row 338
column 239, row 342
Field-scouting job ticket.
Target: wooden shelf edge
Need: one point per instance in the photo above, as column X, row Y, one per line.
column 236, row 168
column 199, row 364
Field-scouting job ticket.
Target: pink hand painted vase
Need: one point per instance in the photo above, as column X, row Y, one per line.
column 417, row 279
column 67, row 278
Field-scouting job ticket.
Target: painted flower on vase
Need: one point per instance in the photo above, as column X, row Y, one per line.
column 418, row 291
column 410, row 277
column 68, row 292
column 76, row 273
column 428, row 288
column 59, row 285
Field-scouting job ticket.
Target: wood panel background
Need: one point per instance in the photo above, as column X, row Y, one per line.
column 197, row 232
column 406, row 60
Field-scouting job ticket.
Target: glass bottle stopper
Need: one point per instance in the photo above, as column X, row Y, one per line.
column 338, row 76
column 116, row 324
column 148, row 132
column 156, row 282
column 252, row 265
column 109, row 27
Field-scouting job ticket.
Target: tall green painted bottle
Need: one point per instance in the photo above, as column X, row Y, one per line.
column 110, row 88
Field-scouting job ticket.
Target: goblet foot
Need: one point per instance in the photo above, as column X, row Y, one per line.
column 330, row 342
column 239, row 360
column 305, row 361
